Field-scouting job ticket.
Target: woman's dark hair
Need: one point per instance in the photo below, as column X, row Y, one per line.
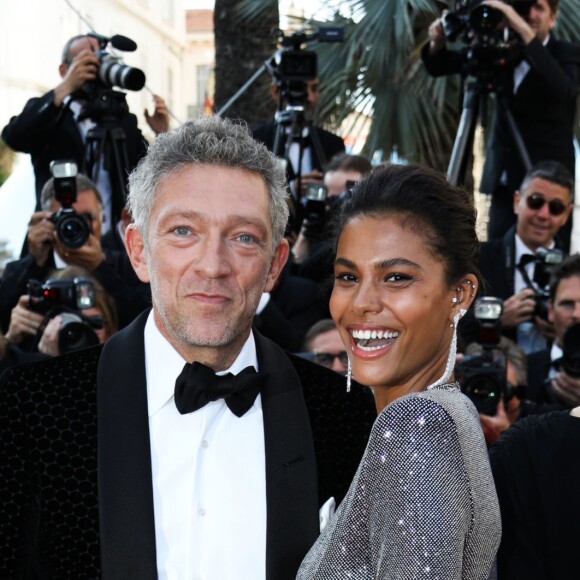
column 442, row 213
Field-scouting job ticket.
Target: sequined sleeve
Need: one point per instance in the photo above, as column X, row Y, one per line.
column 419, row 498
column 422, row 504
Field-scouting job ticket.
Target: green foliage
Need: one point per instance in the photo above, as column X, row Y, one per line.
column 377, row 72
column 6, row 160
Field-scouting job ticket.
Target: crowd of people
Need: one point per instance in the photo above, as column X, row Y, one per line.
column 260, row 358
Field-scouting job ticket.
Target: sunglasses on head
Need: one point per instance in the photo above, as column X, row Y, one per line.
column 535, row 201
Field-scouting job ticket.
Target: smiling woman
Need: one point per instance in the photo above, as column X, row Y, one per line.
column 423, row 502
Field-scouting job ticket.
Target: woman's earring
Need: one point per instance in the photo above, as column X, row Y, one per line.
column 348, row 376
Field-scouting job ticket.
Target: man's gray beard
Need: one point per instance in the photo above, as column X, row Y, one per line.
column 198, row 337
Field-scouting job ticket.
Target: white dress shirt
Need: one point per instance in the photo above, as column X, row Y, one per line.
column 209, row 480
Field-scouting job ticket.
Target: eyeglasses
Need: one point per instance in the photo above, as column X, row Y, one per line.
column 327, row 358
column 535, row 201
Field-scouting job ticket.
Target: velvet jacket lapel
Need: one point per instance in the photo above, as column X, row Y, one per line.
column 124, row 458
column 291, row 477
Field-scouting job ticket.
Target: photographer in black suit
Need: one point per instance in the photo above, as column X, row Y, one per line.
column 541, row 206
column 51, row 127
column 541, row 93
column 47, row 252
column 198, row 475
column 311, row 164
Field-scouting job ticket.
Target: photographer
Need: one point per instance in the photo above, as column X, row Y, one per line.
column 47, row 252
column 541, row 93
column 310, row 252
column 52, row 126
column 508, row 407
column 41, row 328
column 541, row 205
column 554, row 383
column 311, row 164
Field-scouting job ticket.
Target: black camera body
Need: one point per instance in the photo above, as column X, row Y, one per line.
column 483, row 376
column 99, row 98
column 292, row 66
column 545, row 263
column 570, row 361
column 488, row 49
column 67, row 297
column 65, row 294
column 71, row 228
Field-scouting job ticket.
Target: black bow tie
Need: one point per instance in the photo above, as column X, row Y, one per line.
column 197, row 385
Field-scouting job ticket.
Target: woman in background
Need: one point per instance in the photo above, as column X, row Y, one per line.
column 423, row 502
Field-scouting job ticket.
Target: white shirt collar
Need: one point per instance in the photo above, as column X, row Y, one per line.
column 521, row 248
column 164, row 364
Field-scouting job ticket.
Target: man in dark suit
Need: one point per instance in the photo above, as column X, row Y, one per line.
column 313, row 161
column 194, row 477
column 51, row 127
column 48, row 253
column 550, row 386
column 541, row 206
column 541, row 92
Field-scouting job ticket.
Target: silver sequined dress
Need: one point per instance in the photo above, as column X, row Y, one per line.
column 422, row 504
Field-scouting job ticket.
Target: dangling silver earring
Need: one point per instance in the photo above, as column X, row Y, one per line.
column 348, row 376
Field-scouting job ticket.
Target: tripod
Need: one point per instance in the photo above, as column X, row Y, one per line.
column 106, row 147
column 290, row 124
column 465, row 132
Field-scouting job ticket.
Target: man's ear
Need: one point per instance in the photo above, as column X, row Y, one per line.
column 517, row 197
column 136, row 250
column 277, row 264
column 62, row 69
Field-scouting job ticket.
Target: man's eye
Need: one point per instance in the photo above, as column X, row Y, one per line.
column 181, row 231
column 246, row 238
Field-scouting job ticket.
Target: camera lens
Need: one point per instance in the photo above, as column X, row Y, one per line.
column 484, row 390
column 72, row 230
column 75, row 334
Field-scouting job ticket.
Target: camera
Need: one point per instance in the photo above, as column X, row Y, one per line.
column 489, row 48
column 483, row 376
column 67, row 297
column 546, row 261
column 314, row 210
column 570, row 361
column 291, row 66
column 99, row 98
column 72, row 229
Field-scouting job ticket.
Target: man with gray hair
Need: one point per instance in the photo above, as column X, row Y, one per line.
column 205, row 468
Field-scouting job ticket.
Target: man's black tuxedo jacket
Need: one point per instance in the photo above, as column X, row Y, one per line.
column 544, row 109
column 497, row 267
column 48, row 132
column 68, row 512
column 330, row 144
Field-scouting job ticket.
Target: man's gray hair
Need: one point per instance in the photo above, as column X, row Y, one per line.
column 552, row 171
column 207, row 141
